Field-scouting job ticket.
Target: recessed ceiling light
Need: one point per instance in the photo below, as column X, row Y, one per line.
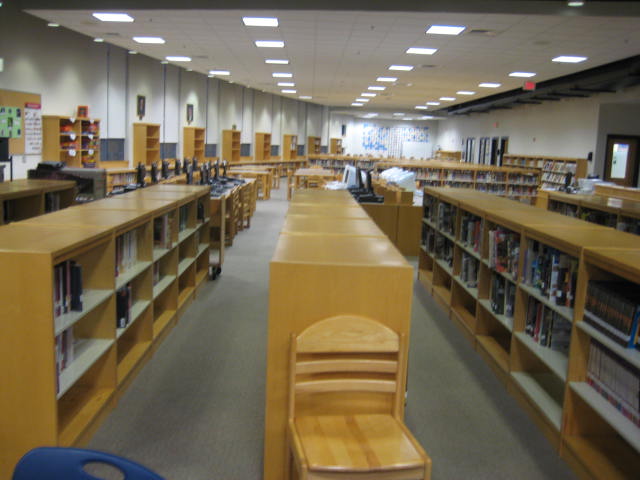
column 219, row 72
column 210, row 76
column 53, row 25
column 367, row 94
column 356, row 104
column 427, row 117
column 402, row 68
column 421, row 51
column 282, row 75
column 386, row 79
column 447, row 99
column 286, row 84
column 522, row 74
column 575, row 3
column 260, row 21
column 433, row 103
column 489, row 85
column 305, row 97
column 189, row 69
column 446, row 29
column 113, row 17
column 273, row 61
column 465, row 92
column 288, row 91
column 270, row 43
column 98, row 40
column 132, row 52
column 362, row 100
column 407, row 119
column 568, row 59
column 375, row 87
column 398, row 114
column 164, row 62
column 421, row 107
column 148, row 39
column 177, row 58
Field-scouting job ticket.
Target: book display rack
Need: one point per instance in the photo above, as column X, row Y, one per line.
column 22, row 199
column 231, row 146
column 106, row 282
column 553, row 169
column 72, row 140
column 515, row 280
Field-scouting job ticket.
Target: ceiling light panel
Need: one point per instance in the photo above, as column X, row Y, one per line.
column 282, row 75
column 305, row 97
column 433, row 103
column 219, row 72
column 289, row 91
column 156, row 40
column 114, row 17
column 386, row 79
column 286, row 84
column 447, row 99
column 273, row 61
column 260, row 21
column 368, row 94
column 362, row 100
column 489, row 85
column 177, row 58
column 270, row 43
column 421, row 51
column 522, row 74
column 465, row 92
column 401, row 68
column 356, row 104
column 568, row 59
column 376, row 87
column 421, row 107
column 446, row 29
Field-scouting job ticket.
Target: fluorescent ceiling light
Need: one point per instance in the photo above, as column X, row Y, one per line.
column 177, row 58
column 356, row 104
column 286, row 84
column 260, row 21
column 398, row 114
column 132, row 52
column 427, row 117
column 386, row 79
column 402, row 68
column 421, row 51
column 164, row 62
column 189, row 69
column 447, row 99
column 362, row 100
column 433, row 103
column 568, row 59
column 219, row 72
column 576, row 3
column 277, row 62
column 53, row 25
column 289, row 91
column 489, row 85
column 305, row 97
column 407, row 119
column 148, row 39
column 446, row 29
column 113, row 17
column 421, row 107
column 210, row 76
column 375, row 87
column 282, row 75
column 270, row 43
column 367, row 94
column 522, row 74
column 465, row 92
column 98, row 40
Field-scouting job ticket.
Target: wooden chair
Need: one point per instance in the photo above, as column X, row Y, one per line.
column 346, row 390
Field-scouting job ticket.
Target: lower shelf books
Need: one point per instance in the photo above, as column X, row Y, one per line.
column 471, row 231
column 503, row 295
column 613, row 308
column 446, row 217
column 64, row 352
column 162, row 232
column 546, row 327
column 504, row 250
column 443, row 249
column 51, row 202
column 469, row 270
column 552, row 272
column 156, row 273
column 126, row 251
column 123, row 306
column 615, row 379
column 67, row 288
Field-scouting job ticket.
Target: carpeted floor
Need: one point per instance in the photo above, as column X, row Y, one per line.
column 196, row 410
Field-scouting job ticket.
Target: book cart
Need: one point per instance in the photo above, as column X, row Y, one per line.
column 88, row 295
column 495, row 295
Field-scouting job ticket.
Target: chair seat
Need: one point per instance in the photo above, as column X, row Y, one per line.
column 356, row 443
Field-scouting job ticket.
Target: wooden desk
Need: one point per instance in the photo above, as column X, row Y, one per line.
column 303, row 176
column 335, row 211
column 311, row 225
column 323, row 197
column 262, row 176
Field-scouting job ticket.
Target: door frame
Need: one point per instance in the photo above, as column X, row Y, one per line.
column 607, row 158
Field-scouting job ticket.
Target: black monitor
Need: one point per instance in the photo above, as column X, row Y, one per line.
column 141, row 174
column 178, row 167
column 165, row 169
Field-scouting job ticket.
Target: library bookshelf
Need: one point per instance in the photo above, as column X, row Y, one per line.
column 262, row 146
column 289, row 147
column 72, row 140
column 337, row 162
column 193, row 142
column 146, row 143
column 231, row 145
column 481, row 258
column 336, row 146
column 65, row 367
column 26, row 198
column 313, row 145
column 553, row 169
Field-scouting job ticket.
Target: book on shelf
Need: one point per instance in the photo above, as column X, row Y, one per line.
column 126, row 251
column 64, row 351
column 552, row 272
column 471, row 231
column 615, row 379
column 123, row 306
column 546, row 327
column 446, row 217
column 443, row 249
column 200, row 212
column 613, row 308
column 502, row 295
column 51, row 202
column 156, row 273
column 429, row 238
column 184, row 213
column 504, row 251
column 67, row 288
column 469, row 270
column 162, row 232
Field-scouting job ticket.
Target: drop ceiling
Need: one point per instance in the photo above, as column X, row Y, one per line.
column 336, row 55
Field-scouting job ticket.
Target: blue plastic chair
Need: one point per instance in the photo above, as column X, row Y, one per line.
column 54, row 463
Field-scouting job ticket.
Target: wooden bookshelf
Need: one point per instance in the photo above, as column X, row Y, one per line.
column 553, row 169
column 26, row 198
column 193, row 143
column 540, row 378
column 49, row 406
column 336, row 146
column 146, row 143
column 72, row 140
column 289, row 147
column 262, row 146
column 231, row 145
column 313, row 145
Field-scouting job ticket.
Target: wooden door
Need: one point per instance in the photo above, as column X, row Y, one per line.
column 621, row 164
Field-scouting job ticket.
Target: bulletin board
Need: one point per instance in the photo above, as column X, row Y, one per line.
column 10, row 98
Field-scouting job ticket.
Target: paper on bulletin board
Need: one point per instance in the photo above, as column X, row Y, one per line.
column 10, row 122
column 32, row 128
column 417, row 150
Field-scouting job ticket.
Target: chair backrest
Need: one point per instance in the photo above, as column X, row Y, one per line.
column 346, row 364
column 55, row 463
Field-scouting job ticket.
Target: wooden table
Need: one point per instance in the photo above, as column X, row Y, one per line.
column 262, row 176
column 304, row 176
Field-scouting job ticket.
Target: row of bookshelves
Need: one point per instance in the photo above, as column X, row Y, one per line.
column 553, row 169
column 22, row 199
column 552, row 304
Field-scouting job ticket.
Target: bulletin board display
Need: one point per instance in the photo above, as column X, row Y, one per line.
column 14, row 100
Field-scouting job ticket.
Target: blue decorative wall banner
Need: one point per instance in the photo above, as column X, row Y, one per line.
column 380, row 140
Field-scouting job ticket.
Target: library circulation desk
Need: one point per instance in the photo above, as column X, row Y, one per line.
column 87, row 295
column 330, row 260
column 519, row 281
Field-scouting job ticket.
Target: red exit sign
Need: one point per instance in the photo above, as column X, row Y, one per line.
column 529, row 86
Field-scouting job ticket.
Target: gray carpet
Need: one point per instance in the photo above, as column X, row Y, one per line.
column 196, row 410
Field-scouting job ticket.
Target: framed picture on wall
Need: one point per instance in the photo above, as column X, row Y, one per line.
column 83, row 111
column 189, row 113
column 141, row 106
